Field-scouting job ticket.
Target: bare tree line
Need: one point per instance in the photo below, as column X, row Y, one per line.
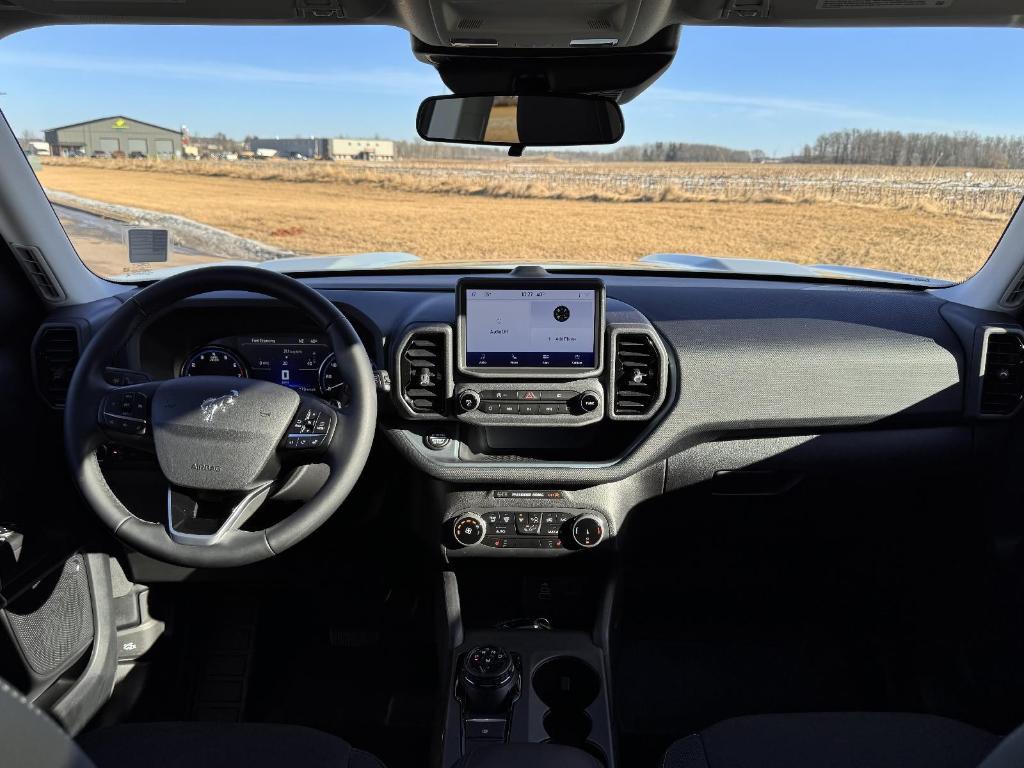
column 659, row 152
column 965, row 150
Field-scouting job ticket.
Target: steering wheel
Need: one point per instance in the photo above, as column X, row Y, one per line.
column 220, row 442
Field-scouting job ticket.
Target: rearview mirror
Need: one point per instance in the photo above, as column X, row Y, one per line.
column 518, row 121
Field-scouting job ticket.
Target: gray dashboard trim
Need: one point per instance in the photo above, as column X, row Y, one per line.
column 825, row 359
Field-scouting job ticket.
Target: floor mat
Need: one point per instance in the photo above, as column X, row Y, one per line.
column 357, row 661
column 370, row 678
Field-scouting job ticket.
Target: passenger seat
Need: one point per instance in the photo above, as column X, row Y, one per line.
column 845, row 740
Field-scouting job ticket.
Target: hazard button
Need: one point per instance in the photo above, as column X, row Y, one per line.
column 527, row 394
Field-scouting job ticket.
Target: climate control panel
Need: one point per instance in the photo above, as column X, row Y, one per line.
column 543, row 528
column 521, row 404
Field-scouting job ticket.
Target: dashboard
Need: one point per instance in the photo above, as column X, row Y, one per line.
column 679, row 381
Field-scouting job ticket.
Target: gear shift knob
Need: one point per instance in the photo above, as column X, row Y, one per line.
column 488, row 677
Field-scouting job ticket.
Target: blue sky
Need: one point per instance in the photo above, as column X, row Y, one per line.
column 767, row 89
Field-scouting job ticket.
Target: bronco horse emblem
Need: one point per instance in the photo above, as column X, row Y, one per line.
column 212, row 405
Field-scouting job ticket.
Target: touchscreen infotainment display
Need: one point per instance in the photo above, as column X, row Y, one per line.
column 530, row 328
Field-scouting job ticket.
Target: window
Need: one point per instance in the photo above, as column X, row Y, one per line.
column 774, row 144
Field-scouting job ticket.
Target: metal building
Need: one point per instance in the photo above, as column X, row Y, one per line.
column 328, row 149
column 362, row 149
column 117, row 134
column 285, row 148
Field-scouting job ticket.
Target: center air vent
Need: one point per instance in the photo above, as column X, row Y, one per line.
column 1002, row 382
column 638, row 375
column 55, row 353
column 423, row 368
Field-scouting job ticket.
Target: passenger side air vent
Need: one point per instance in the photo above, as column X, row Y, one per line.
column 55, row 353
column 638, row 375
column 39, row 273
column 1002, row 376
column 423, row 368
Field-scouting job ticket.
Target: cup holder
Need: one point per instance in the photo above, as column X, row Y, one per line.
column 568, row 686
column 566, row 683
column 567, row 726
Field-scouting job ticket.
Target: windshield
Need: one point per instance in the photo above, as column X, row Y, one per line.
column 886, row 149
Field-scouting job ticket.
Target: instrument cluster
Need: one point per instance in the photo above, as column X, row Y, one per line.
column 301, row 362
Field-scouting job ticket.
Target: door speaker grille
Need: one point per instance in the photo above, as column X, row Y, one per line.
column 53, row 622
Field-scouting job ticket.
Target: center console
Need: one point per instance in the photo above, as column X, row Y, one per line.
column 529, row 687
column 531, row 368
column 531, row 351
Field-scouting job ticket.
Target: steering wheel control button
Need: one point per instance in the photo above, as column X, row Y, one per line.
column 309, row 429
column 125, row 412
column 589, row 401
column 469, row 400
column 437, row 441
column 468, row 530
column 587, row 531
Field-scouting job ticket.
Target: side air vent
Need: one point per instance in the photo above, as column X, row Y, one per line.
column 1002, row 376
column 55, row 353
column 423, row 367
column 1015, row 296
column 638, row 375
column 39, row 273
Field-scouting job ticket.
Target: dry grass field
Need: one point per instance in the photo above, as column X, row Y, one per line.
column 938, row 222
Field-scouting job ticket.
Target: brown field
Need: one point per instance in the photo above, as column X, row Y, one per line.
column 939, row 222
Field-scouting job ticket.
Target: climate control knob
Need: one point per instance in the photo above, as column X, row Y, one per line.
column 587, row 531
column 469, row 400
column 468, row 530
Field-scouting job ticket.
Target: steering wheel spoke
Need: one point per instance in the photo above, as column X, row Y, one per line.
column 124, row 415
column 198, row 518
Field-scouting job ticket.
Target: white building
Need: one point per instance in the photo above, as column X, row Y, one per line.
column 361, row 149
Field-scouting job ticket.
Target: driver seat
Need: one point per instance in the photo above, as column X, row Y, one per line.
column 31, row 739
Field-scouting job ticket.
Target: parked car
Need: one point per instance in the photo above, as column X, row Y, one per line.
column 137, row 155
column 101, row 154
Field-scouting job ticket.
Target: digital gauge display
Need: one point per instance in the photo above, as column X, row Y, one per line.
column 292, row 361
column 303, row 363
